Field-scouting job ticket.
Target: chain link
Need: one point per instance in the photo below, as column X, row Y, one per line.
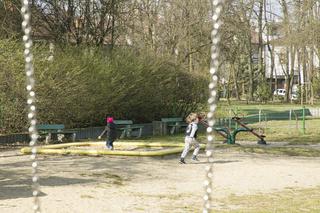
column 215, row 37
column 26, row 27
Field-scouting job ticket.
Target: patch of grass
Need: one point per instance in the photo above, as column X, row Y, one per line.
column 175, row 196
column 86, row 196
column 108, row 177
column 140, row 208
column 285, row 150
column 289, row 200
column 169, row 205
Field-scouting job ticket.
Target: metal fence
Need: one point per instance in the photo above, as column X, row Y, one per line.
column 293, row 119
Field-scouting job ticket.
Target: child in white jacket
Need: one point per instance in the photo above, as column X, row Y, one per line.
column 191, row 138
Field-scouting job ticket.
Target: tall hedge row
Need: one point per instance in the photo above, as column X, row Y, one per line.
column 82, row 84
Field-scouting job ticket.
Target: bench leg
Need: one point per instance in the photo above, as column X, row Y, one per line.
column 73, row 137
column 172, row 130
column 140, row 132
column 123, row 134
column 48, row 138
column 60, row 137
column 128, row 133
column 178, row 128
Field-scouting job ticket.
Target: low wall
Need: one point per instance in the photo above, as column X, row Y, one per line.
column 81, row 133
column 13, row 138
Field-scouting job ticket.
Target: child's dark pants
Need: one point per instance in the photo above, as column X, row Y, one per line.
column 109, row 144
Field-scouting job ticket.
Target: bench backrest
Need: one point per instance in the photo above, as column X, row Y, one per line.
column 123, row 122
column 50, row 126
column 171, row 120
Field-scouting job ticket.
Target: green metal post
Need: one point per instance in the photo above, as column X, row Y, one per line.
column 304, row 120
column 259, row 120
column 231, row 138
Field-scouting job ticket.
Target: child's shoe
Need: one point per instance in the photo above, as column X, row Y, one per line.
column 182, row 161
column 109, row 147
column 194, row 158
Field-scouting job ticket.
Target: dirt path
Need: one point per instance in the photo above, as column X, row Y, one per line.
column 75, row 184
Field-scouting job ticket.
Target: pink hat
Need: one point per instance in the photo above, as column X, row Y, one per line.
column 109, row 119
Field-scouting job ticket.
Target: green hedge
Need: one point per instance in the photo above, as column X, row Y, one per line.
column 82, row 84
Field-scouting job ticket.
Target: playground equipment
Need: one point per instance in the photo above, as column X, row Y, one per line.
column 245, row 128
column 121, row 149
column 263, row 119
column 230, row 135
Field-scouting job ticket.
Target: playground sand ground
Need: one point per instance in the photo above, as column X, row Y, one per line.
column 81, row 184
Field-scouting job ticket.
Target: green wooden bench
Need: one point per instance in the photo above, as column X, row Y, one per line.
column 127, row 126
column 51, row 131
column 173, row 124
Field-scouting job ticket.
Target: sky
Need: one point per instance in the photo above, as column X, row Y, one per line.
column 274, row 7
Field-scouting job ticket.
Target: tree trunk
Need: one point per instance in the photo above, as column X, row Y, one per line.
column 251, row 74
column 228, row 86
column 299, row 69
column 270, row 49
column 287, row 73
column 190, row 56
column 291, row 75
column 236, row 86
column 113, row 8
column 261, row 71
column 311, row 76
column 87, row 21
column 304, row 71
column 245, row 9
